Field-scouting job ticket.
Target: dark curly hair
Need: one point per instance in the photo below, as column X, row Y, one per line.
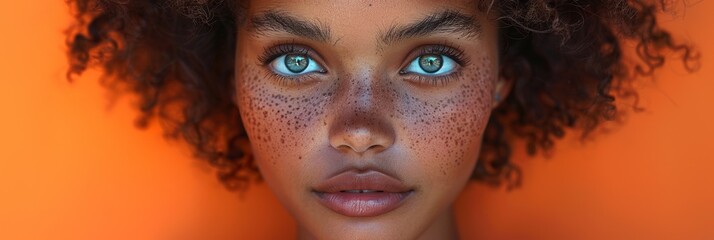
column 565, row 58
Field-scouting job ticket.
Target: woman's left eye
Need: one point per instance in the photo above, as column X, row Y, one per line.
column 295, row 64
column 431, row 65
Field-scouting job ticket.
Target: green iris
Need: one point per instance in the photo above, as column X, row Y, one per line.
column 431, row 63
column 296, row 63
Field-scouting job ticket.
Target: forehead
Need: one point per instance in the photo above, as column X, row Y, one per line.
column 364, row 9
column 361, row 20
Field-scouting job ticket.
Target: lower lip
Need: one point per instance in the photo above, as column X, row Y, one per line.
column 362, row 204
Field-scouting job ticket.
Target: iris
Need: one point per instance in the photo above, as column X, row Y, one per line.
column 296, row 63
column 431, row 63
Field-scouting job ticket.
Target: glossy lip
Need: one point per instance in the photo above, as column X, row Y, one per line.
column 385, row 193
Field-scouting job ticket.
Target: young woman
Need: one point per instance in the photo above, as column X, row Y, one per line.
column 367, row 118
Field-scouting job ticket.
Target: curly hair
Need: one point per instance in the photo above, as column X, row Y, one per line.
column 565, row 58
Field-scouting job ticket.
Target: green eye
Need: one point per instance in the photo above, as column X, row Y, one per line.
column 296, row 63
column 431, row 63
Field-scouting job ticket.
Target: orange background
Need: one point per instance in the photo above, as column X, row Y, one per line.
column 74, row 167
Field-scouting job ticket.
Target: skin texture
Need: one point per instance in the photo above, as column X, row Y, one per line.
column 362, row 113
column 565, row 60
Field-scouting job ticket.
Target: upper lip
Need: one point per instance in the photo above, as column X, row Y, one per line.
column 366, row 180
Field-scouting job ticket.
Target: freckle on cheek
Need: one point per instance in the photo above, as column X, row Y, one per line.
column 449, row 130
column 275, row 119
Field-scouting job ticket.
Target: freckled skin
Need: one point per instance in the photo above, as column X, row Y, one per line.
column 363, row 113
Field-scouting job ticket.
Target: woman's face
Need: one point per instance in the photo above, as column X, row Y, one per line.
column 365, row 118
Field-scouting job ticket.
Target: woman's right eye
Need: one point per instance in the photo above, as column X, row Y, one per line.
column 295, row 64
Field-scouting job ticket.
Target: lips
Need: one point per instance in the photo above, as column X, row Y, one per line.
column 365, row 194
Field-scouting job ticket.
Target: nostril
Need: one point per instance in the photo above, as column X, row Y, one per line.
column 361, row 139
column 375, row 148
column 361, row 149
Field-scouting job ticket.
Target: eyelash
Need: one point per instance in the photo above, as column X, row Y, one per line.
column 271, row 53
column 445, row 49
column 437, row 80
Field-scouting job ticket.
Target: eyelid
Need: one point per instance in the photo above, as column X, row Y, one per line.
column 453, row 53
column 436, row 80
column 443, row 49
column 277, row 50
column 273, row 52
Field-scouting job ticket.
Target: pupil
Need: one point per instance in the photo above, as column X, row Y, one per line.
column 296, row 63
column 430, row 63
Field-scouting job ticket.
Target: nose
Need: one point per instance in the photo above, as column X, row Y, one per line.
column 360, row 124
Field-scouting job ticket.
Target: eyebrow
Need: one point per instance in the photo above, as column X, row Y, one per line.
column 278, row 21
column 448, row 21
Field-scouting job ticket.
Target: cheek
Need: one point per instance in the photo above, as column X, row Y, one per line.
column 444, row 133
column 281, row 127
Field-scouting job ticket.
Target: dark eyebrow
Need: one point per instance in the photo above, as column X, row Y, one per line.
column 277, row 21
column 448, row 21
